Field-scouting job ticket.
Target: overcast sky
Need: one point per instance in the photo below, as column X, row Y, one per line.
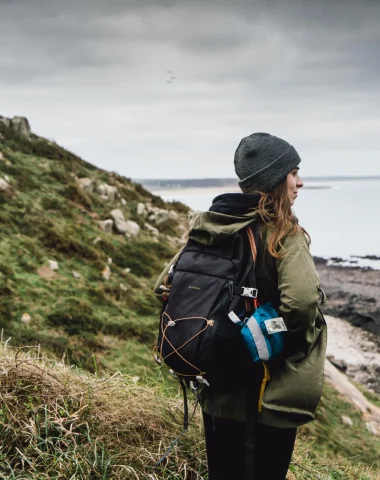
column 167, row 88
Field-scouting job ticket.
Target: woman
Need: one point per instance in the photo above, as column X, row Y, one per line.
column 250, row 435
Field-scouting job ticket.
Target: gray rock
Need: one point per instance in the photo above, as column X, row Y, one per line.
column 18, row 124
column 117, row 214
column 123, row 201
column 159, row 217
column 87, row 184
column 132, row 228
column 1, row 156
column 53, row 265
column 4, row 185
column 5, row 121
column 120, row 224
column 141, row 209
column 106, row 226
column 21, row 126
column 339, row 364
column 107, row 191
column 152, row 230
column 76, row 275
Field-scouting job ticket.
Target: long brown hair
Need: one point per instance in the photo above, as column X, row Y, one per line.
column 275, row 209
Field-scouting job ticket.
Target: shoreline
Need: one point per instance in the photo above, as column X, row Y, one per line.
column 353, row 294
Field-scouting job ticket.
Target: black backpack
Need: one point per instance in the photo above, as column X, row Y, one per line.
column 197, row 338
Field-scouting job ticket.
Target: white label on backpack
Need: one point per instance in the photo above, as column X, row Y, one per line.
column 234, row 317
column 275, row 325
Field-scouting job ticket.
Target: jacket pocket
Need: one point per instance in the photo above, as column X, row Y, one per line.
column 293, row 394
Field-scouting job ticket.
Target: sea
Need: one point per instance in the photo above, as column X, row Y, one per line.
column 341, row 216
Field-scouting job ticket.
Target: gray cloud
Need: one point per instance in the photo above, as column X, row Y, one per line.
column 93, row 75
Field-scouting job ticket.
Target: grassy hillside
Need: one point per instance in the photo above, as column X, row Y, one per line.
column 72, row 416
column 45, row 215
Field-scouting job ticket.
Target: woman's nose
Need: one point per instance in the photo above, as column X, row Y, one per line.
column 299, row 183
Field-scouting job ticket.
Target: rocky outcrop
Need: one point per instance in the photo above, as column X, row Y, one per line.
column 107, row 192
column 121, row 225
column 19, row 124
column 352, row 294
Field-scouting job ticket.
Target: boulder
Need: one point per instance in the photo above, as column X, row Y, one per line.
column 141, row 209
column 5, row 121
column 87, row 184
column 123, row 201
column 4, row 185
column 152, row 230
column 53, row 265
column 21, row 126
column 18, row 124
column 1, row 156
column 159, row 217
column 76, row 275
column 107, row 192
column 106, row 226
column 117, row 214
column 119, row 221
column 132, row 228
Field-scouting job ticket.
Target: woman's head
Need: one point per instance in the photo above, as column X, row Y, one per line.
column 262, row 161
column 269, row 165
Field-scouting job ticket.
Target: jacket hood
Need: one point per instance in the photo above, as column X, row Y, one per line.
column 228, row 214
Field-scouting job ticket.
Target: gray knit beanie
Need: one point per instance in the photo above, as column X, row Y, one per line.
column 263, row 160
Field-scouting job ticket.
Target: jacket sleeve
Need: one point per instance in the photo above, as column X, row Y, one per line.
column 298, row 285
column 158, row 290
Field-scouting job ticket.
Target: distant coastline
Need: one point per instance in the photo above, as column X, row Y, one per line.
column 190, row 183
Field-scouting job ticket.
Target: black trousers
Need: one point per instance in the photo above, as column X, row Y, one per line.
column 227, row 444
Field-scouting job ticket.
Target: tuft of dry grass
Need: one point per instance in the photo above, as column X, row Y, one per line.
column 59, row 422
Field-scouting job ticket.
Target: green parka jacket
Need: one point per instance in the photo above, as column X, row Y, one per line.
column 292, row 284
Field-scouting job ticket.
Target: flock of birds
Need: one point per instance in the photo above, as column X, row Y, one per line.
column 170, row 76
